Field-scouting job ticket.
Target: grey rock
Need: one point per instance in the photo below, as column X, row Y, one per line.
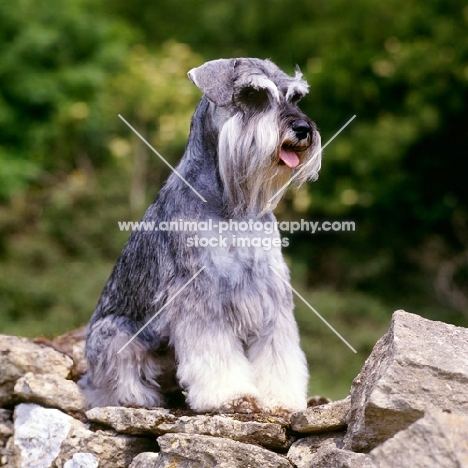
column 113, row 451
column 4, row 458
column 270, row 432
column 436, row 440
column 145, row 460
column 6, row 431
column 137, row 421
column 322, row 418
column 200, row 451
column 82, row 460
column 79, row 358
column 39, row 434
column 45, row 437
column 6, row 426
column 18, row 356
column 50, row 390
column 338, row 458
column 73, row 344
column 416, row 366
column 303, row 451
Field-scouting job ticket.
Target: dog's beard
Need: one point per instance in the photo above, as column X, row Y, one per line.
column 250, row 166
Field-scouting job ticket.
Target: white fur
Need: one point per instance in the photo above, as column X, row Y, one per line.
column 254, row 352
column 214, row 370
column 297, row 86
column 261, row 82
column 248, row 162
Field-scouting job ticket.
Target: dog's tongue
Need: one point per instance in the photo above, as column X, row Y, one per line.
column 289, row 157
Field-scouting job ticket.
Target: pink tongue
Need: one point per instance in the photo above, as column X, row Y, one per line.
column 289, row 157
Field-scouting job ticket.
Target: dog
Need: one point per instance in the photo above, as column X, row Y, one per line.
column 213, row 324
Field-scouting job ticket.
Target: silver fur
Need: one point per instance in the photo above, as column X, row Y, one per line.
column 229, row 340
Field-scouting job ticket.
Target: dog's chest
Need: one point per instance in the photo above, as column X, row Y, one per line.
column 246, row 281
column 238, row 255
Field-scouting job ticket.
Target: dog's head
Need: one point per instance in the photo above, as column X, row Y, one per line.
column 264, row 138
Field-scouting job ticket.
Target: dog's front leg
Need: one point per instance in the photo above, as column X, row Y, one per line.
column 280, row 367
column 213, row 368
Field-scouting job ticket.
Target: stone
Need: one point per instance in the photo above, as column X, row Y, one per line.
column 145, row 460
column 82, row 460
column 6, row 431
column 416, row 366
column 328, row 417
column 339, row 458
column 18, row 356
column 47, row 437
column 437, row 440
column 302, row 452
column 39, row 434
column 73, row 344
column 136, row 421
column 79, row 358
column 6, row 426
column 113, row 451
column 50, row 390
column 200, row 451
column 270, row 431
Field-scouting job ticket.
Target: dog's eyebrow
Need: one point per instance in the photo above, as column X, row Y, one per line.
column 261, row 82
column 300, row 88
column 297, row 86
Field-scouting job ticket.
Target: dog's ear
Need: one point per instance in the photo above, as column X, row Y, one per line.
column 215, row 79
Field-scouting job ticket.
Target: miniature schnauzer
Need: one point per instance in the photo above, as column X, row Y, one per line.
column 228, row 341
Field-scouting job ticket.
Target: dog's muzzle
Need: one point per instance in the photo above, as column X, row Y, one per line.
column 303, row 135
column 302, row 129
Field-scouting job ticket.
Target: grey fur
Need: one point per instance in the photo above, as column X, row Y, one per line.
column 229, row 339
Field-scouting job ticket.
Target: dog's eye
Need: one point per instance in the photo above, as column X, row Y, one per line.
column 295, row 98
column 254, row 97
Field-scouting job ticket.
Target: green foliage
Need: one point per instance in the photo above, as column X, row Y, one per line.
column 57, row 257
column 57, row 60
column 359, row 319
column 154, row 95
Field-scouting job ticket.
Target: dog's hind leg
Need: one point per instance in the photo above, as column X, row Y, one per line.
column 119, row 378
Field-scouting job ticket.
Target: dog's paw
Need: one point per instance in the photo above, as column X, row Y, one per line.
column 244, row 404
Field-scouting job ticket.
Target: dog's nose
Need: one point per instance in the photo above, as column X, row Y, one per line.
column 301, row 128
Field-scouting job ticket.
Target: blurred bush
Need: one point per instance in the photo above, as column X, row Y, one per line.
column 54, row 63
